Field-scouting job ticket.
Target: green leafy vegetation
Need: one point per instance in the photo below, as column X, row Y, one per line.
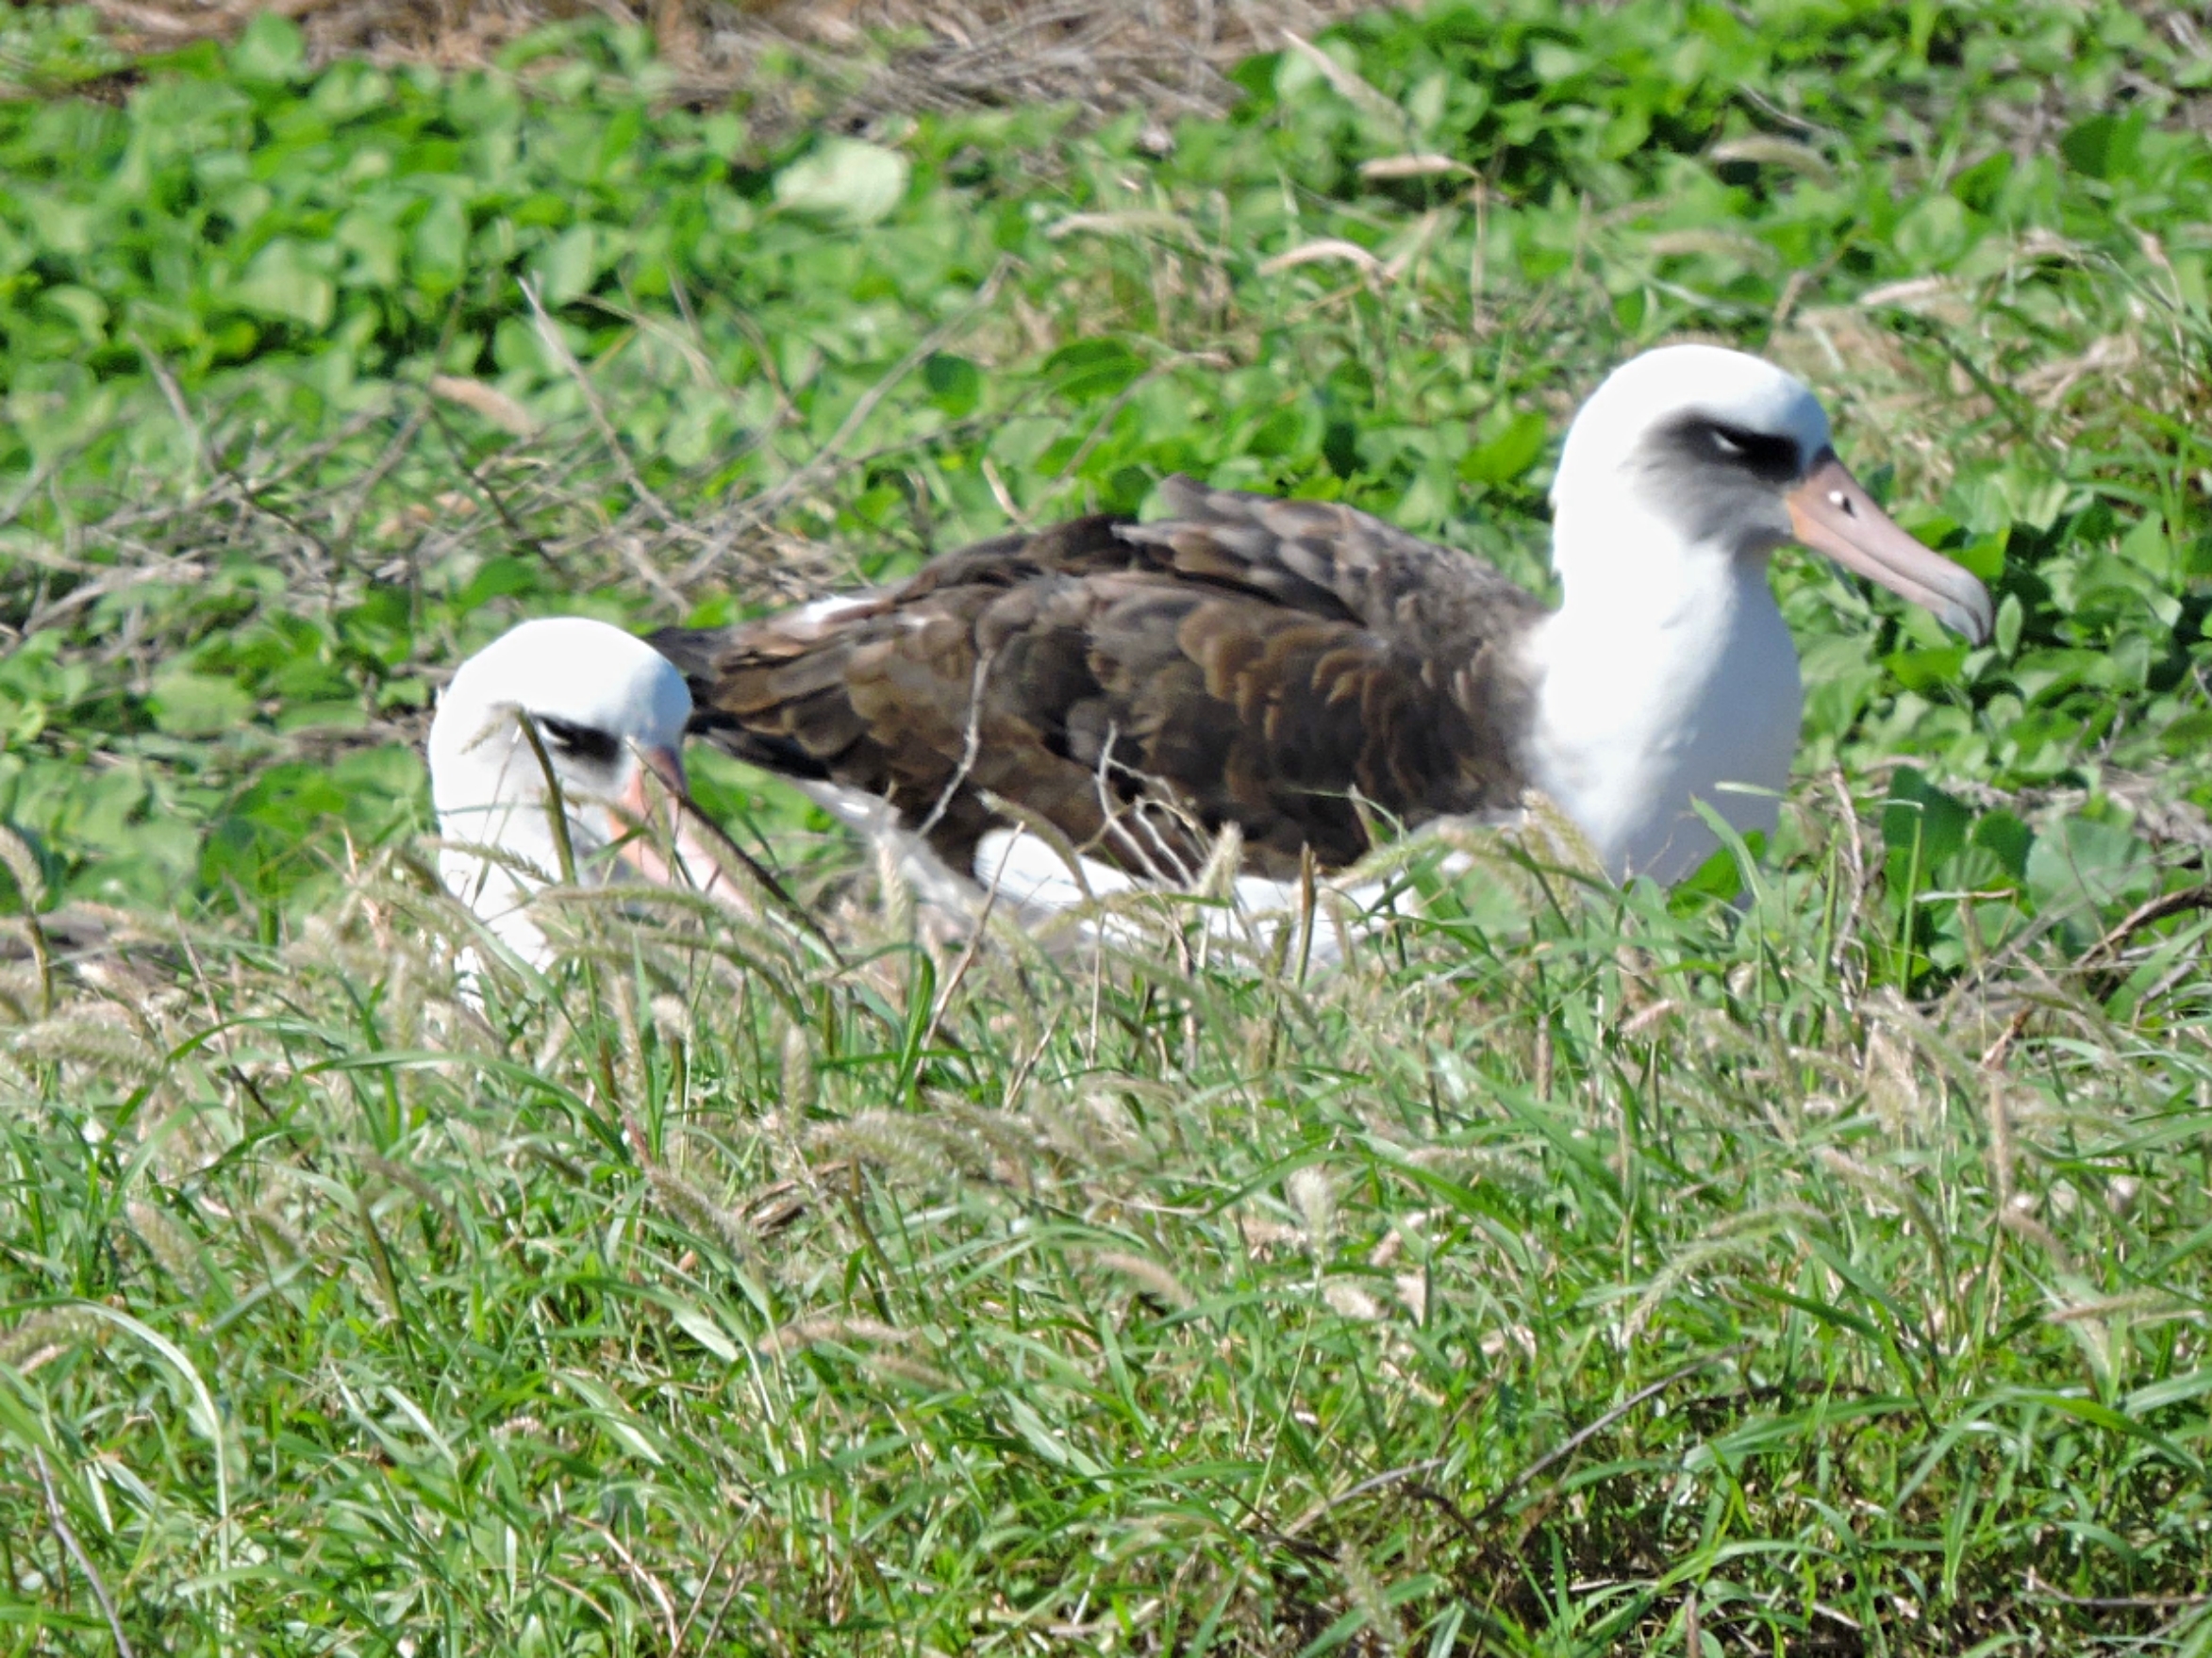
column 1571, row 1272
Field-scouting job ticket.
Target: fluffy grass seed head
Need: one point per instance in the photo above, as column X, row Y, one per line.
column 1313, row 1199
column 1149, row 1275
column 174, row 1248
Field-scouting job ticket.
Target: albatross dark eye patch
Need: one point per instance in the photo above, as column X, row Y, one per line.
column 585, row 742
column 1765, row 456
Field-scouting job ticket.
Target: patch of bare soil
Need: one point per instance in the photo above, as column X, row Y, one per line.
column 885, row 58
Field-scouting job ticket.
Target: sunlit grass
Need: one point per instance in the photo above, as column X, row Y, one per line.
column 1567, row 1271
column 1538, row 1285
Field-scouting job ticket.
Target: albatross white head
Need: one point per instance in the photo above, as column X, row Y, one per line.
column 1667, row 674
column 608, row 708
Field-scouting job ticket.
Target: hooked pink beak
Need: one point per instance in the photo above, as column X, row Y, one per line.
column 665, row 764
column 695, row 865
column 633, row 846
column 1831, row 512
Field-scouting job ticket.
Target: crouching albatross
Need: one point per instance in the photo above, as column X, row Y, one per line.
column 606, row 708
column 1297, row 670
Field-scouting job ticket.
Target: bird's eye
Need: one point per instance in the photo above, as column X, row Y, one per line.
column 1768, row 455
column 585, row 742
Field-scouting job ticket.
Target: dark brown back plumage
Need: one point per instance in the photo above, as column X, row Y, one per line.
column 1277, row 665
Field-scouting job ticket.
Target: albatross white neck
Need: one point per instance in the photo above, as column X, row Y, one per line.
column 1666, row 674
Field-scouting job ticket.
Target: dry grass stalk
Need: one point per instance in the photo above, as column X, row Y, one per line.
column 1168, row 57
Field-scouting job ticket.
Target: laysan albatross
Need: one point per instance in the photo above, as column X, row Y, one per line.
column 608, row 708
column 1300, row 670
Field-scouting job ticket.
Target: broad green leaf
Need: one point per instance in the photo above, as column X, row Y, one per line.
column 185, row 704
column 1510, row 444
column 1921, row 826
column 286, row 280
column 1093, row 369
column 2104, row 146
column 566, row 268
column 955, row 384
column 2079, row 865
column 269, row 49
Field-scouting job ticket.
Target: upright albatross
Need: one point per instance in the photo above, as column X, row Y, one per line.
column 1299, row 669
column 608, row 708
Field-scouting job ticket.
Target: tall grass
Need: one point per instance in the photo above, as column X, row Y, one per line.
column 1573, row 1279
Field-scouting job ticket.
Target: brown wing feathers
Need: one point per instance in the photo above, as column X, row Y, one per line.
column 1248, row 660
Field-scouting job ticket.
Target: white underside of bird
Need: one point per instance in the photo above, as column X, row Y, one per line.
column 1675, row 685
